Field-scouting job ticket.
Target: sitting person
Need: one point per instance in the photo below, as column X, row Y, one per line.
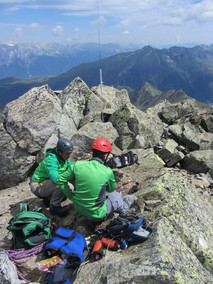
column 92, row 180
column 43, row 182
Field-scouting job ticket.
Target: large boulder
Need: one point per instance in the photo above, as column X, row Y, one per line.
column 78, row 100
column 33, row 118
column 179, row 112
column 131, row 124
column 83, row 139
column 187, row 211
column 111, row 97
column 199, row 161
column 169, row 152
column 15, row 163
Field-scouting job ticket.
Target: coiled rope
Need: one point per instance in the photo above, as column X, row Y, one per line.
column 19, row 256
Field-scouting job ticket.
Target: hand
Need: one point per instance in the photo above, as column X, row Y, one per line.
column 71, row 186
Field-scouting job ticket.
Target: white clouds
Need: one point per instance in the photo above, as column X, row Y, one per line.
column 174, row 21
column 18, row 31
column 178, row 39
column 156, row 20
column 58, row 30
column 202, row 12
column 35, row 26
column 101, row 21
column 123, row 24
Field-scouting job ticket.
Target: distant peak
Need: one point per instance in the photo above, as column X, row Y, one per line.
column 151, row 88
column 149, row 47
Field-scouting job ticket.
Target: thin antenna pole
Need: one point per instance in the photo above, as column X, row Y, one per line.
column 99, row 46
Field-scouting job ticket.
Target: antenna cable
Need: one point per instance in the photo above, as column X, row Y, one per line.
column 99, row 46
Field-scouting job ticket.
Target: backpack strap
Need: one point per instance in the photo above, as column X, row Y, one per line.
column 24, row 207
column 37, row 209
column 68, row 239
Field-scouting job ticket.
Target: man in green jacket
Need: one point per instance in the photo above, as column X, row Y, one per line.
column 92, row 180
column 43, row 182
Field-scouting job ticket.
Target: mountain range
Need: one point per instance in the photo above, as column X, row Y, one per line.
column 28, row 61
column 189, row 69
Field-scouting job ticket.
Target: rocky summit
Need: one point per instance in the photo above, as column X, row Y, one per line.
column 174, row 145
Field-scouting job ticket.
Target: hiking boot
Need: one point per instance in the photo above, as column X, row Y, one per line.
column 58, row 210
column 46, row 202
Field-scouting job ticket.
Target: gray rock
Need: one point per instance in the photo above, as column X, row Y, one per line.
column 83, row 139
column 207, row 120
column 8, row 272
column 175, row 158
column 167, row 150
column 111, row 97
column 131, row 122
column 33, row 118
column 179, row 112
column 190, row 138
column 15, row 163
column 199, row 161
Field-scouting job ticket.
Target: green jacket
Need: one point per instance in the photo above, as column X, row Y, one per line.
column 92, row 180
column 50, row 167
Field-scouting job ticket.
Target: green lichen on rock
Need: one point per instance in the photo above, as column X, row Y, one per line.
column 191, row 215
column 163, row 258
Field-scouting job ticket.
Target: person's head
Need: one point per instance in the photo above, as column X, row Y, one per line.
column 101, row 147
column 64, row 148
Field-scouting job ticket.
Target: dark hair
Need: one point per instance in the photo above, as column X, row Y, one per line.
column 98, row 154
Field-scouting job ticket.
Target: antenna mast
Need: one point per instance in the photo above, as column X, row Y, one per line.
column 99, row 46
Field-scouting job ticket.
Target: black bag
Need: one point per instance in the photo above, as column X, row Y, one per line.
column 123, row 160
column 128, row 227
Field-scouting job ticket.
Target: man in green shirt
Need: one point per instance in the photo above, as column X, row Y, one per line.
column 92, row 180
column 43, row 182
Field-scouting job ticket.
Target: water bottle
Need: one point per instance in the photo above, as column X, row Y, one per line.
column 124, row 245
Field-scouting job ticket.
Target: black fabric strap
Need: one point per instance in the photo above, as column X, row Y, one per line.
column 65, row 238
column 97, row 159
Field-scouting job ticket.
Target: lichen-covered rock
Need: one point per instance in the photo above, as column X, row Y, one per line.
column 131, row 122
column 15, row 163
column 78, row 100
column 188, row 211
column 167, row 149
column 164, row 258
column 83, row 139
column 176, row 113
column 33, row 118
column 199, row 161
column 111, row 97
column 207, row 120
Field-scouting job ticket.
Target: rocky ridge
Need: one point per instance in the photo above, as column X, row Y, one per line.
column 174, row 146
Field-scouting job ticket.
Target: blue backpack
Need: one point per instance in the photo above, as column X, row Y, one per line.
column 71, row 247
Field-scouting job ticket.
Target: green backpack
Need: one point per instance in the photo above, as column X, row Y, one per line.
column 29, row 228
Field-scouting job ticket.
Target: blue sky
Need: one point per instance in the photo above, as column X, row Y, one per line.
column 141, row 22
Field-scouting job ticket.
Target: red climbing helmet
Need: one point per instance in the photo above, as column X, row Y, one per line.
column 101, row 144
